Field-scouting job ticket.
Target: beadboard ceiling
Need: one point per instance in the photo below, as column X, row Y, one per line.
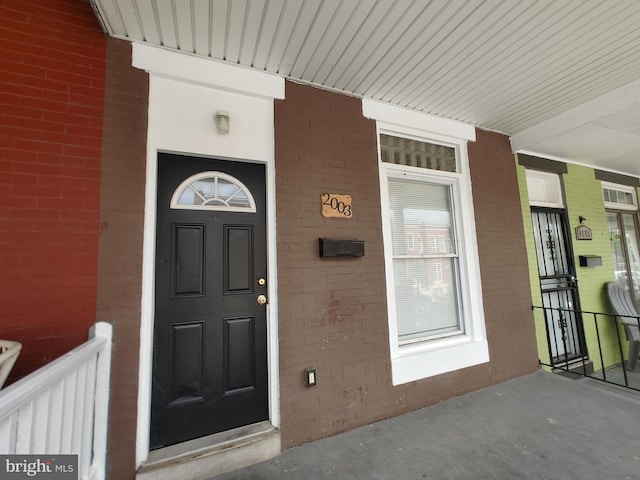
column 561, row 77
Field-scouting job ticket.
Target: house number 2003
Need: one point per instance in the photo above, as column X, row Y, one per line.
column 336, row 206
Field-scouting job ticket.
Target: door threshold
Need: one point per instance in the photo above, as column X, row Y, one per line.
column 212, row 455
column 576, row 366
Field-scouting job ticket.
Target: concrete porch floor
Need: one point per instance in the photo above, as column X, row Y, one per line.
column 540, row 426
column 617, row 375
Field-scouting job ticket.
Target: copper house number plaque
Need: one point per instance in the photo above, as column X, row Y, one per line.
column 335, row 205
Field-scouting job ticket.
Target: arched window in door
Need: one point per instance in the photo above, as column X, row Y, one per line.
column 213, row 191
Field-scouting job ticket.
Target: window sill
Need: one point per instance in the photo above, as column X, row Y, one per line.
column 416, row 363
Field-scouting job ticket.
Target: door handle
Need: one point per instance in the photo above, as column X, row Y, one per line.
column 262, row 300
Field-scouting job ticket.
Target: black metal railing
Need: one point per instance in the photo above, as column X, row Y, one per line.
column 607, row 333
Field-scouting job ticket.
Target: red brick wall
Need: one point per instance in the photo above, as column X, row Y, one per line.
column 332, row 312
column 121, row 227
column 51, row 99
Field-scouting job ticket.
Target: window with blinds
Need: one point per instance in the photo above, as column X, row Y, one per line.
column 434, row 291
column 426, row 291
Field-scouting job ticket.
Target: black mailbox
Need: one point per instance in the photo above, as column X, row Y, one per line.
column 590, row 260
column 341, row 248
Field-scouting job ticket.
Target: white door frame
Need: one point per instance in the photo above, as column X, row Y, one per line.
column 180, row 120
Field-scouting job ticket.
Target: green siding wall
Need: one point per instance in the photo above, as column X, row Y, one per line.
column 583, row 194
column 583, row 197
column 536, row 296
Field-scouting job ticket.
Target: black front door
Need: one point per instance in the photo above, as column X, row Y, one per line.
column 209, row 345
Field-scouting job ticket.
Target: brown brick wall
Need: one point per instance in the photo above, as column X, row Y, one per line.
column 503, row 257
column 332, row 312
column 120, row 253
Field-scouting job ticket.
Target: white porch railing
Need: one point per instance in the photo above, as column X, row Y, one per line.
column 63, row 407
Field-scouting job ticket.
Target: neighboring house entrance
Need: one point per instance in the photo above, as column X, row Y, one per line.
column 210, row 333
column 558, row 284
column 624, row 234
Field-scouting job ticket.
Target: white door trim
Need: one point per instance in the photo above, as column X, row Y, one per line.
column 180, row 120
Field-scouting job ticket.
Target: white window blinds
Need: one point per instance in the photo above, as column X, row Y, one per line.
column 425, row 271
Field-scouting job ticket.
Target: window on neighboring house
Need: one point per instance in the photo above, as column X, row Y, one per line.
column 436, row 321
column 411, row 243
column 622, row 218
column 619, row 196
column 434, row 243
column 437, row 272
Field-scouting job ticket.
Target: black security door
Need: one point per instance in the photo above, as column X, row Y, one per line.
column 209, row 345
column 558, row 283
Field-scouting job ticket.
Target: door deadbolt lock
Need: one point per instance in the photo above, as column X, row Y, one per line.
column 262, row 282
column 262, row 300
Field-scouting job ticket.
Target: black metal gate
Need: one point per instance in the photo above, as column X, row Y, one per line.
column 559, row 285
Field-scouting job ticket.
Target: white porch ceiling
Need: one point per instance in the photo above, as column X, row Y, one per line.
column 562, row 78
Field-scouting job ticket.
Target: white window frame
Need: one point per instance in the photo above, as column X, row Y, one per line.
column 420, row 175
column 544, row 189
column 439, row 355
column 620, row 188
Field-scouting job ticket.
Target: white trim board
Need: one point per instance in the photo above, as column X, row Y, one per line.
column 181, row 121
column 211, row 73
column 418, row 121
